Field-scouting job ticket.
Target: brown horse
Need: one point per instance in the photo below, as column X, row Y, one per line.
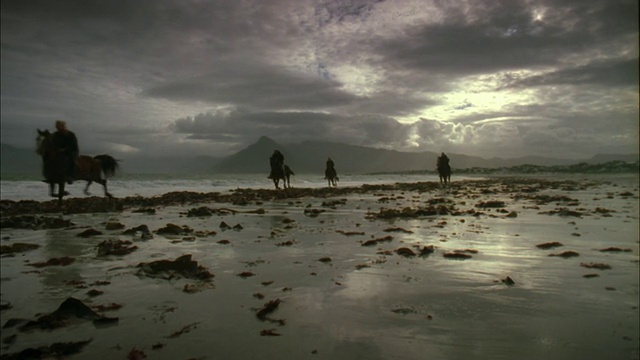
column 444, row 171
column 55, row 164
column 331, row 175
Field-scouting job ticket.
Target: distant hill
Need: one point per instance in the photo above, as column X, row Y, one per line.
column 310, row 157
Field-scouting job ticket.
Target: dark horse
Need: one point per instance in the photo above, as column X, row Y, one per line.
column 331, row 175
column 277, row 172
column 444, row 171
column 55, row 164
column 287, row 176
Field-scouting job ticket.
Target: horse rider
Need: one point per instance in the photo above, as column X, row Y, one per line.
column 330, row 164
column 277, row 161
column 443, row 160
column 65, row 140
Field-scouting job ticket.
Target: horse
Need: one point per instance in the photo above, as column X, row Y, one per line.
column 331, row 176
column 444, row 171
column 277, row 173
column 287, row 176
column 55, row 164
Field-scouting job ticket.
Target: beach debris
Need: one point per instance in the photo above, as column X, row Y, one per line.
column 564, row 212
column 313, row 212
column 16, row 248
column 334, row 203
column 426, row 250
column 269, row 332
column 589, row 276
column 374, row 242
column 182, row 266
column 113, row 225
column 109, row 307
column 599, row 266
column 173, row 229
column 94, row 292
column 549, row 245
column 409, row 212
column 614, row 249
column 224, row 242
column 350, row 233
column 508, row 281
column 62, row 261
column 224, row 226
column 325, row 259
column 116, row 247
column 398, row 229
column 89, row 233
column 267, row 309
column 287, row 243
column 406, row 252
column 603, row 211
column 267, row 283
column 142, row 231
column 258, row 296
column 185, row 329
column 404, row 310
column 246, row 274
column 207, row 211
column 135, row 354
column 512, row 214
column 362, row 266
column 34, row 222
column 197, row 287
column 56, row 350
column 456, row 255
column 566, row 254
column 69, row 309
column 491, row 204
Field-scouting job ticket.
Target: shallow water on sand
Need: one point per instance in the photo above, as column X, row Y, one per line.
column 360, row 304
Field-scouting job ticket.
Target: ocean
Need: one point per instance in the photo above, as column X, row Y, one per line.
column 16, row 188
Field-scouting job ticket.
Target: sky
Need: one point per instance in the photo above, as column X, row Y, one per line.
column 490, row 78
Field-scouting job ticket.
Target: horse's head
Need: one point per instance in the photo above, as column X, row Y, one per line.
column 43, row 142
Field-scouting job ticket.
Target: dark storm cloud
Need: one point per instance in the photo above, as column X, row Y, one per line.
column 404, row 74
column 506, row 35
column 613, row 73
column 366, row 130
column 257, row 86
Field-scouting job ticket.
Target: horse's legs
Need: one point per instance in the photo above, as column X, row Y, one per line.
column 106, row 192
column 86, row 188
column 61, row 192
column 51, row 188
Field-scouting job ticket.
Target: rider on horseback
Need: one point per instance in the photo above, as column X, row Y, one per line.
column 65, row 140
column 277, row 162
column 443, row 160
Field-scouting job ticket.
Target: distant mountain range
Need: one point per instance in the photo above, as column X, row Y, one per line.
column 304, row 157
column 310, row 157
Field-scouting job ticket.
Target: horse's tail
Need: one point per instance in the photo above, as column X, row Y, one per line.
column 108, row 163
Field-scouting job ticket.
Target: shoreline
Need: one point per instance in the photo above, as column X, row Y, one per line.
column 245, row 196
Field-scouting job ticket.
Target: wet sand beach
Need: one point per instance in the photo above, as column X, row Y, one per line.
column 505, row 267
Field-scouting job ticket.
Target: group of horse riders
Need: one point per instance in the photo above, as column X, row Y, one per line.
column 280, row 171
column 66, row 142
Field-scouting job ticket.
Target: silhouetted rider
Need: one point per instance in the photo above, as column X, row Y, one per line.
column 277, row 162
column 65, row 140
